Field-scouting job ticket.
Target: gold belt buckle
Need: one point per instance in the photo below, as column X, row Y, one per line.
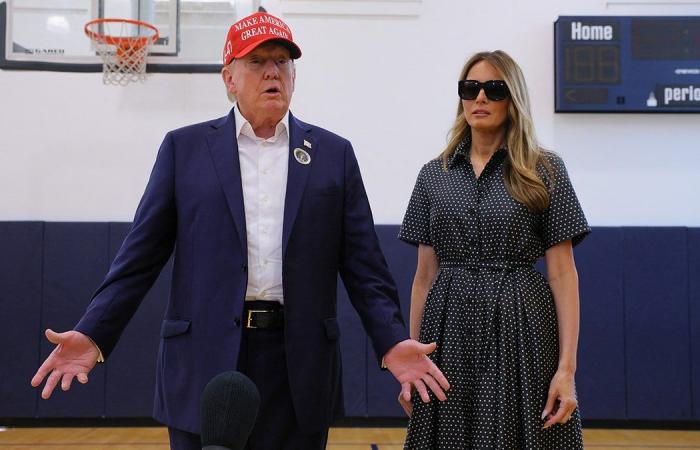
column 250, row 317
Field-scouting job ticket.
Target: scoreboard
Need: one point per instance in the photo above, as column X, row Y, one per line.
column 627, row 64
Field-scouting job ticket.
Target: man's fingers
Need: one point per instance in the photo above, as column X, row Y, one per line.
column 39, row 376
column 407, row 406
column 422, row 391
column 438, row 375
column 66, row 381
column 50, row 384
column 406, row 391
column 44, row 370
column 435, row 387
column 82, row 378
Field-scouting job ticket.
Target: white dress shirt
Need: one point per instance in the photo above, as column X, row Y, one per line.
column 264, row 179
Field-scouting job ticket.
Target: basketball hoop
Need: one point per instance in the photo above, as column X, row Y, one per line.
column 123, row 45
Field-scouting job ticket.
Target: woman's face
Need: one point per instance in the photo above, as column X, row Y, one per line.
column 483, row 114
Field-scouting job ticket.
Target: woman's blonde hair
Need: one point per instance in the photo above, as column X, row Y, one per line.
column 525, row 155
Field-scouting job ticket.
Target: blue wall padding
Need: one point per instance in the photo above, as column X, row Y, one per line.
column 639, row 351
column 657, row 347
column 20, row 310
column 129, row 385
column 600, row 376
column 353, row 346
column 694, row 309
column 382, row 388
column 76, row 258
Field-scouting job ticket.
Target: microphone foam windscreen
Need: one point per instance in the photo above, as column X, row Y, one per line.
column 230, row 405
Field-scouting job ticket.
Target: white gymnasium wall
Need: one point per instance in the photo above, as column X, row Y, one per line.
column 72, row 149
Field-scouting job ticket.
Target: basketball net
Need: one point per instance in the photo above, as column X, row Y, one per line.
column 123, row 45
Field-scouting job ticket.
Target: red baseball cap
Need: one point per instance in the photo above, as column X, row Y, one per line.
column 251, row 31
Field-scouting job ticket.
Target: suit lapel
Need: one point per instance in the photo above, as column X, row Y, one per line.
column 297, row 175
column 223, row 148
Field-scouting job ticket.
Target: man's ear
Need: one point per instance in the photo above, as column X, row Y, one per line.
column 227, row 77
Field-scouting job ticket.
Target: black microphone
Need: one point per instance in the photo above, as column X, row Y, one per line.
column 230, row 405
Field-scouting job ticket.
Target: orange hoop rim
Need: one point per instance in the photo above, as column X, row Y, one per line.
column 120, row 40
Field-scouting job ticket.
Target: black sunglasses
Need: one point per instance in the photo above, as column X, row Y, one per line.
column 495, row 90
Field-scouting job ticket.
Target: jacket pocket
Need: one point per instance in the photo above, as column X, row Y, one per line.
column 332, row 328
column 174, row 327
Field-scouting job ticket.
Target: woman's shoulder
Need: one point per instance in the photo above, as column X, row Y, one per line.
column 430, row 168
column 434, row 164
column 551, row 157
column 550, row 163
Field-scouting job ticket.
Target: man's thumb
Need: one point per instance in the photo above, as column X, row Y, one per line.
column 429, row 348
column 52, row 336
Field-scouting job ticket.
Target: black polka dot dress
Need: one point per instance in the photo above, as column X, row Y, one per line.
column 492, row 315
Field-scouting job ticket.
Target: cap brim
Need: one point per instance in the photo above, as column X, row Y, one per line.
column 294, row 50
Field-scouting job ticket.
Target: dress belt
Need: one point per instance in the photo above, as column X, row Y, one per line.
column 487, row 265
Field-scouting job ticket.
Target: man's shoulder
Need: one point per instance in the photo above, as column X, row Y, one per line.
column 327, row 136
column 198, row 128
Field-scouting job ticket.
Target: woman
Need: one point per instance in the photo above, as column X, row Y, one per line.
column 481, row 214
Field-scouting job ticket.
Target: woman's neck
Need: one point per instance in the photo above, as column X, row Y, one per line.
column 485, row 144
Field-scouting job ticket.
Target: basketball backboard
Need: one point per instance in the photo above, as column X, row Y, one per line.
column 48, row 34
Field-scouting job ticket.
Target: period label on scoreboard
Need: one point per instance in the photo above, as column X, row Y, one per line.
column 678, row 95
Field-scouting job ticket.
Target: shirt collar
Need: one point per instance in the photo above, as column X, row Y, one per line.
column 243, row 127
column 461, row 153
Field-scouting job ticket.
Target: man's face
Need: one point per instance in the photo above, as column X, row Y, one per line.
column 263, row 82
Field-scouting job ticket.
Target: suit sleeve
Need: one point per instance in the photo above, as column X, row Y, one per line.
column 363, row 269
column 146, row 249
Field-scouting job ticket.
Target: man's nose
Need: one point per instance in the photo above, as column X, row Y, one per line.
column 270, row 69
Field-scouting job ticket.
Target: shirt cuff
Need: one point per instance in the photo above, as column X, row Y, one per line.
column 100, row 358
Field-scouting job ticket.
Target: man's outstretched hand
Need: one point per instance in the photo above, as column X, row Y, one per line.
column 74, row 356
column 409, row 363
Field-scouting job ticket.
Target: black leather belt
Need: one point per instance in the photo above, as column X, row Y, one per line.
column 263, row 314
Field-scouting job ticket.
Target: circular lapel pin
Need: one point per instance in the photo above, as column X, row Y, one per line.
column 302, row 156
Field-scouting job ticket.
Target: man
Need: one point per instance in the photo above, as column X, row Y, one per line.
column 262, row 211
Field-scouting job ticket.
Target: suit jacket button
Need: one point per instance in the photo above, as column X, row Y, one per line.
column 244, row 267
column 237, row 321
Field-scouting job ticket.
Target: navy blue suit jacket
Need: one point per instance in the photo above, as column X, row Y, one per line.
column 193, row 205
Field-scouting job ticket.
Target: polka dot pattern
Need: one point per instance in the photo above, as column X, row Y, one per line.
column 491, row 313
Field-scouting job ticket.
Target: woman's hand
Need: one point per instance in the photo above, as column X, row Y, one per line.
column 561, row 400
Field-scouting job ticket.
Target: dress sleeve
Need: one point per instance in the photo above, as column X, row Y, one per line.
column 563, row 219
column 415, row 228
